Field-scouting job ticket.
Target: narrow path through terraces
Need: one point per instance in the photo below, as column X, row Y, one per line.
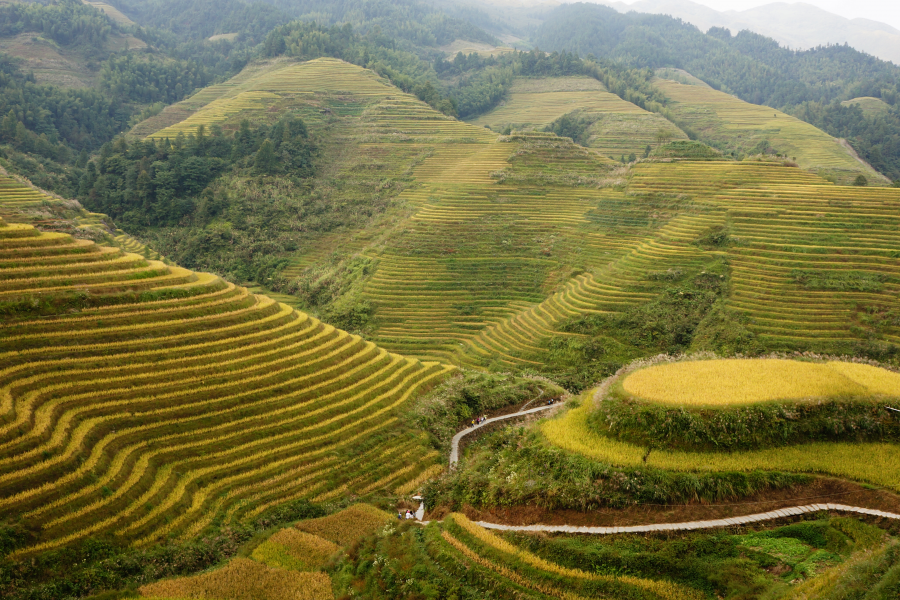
column 454, row 445
column 687, row 526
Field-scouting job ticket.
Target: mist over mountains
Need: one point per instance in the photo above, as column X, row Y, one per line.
column 797, row 25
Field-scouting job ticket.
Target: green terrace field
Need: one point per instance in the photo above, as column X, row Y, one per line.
column 25, row 204
column 738, row 126
column 812, row 266
column 476, row 252
column 146, row 401
column 618, row 127
column 492, row 244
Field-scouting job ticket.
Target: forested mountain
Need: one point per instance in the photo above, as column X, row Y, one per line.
column 798, row 25
column 412, row 22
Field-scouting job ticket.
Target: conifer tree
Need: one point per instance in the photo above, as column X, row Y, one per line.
column 265, row 161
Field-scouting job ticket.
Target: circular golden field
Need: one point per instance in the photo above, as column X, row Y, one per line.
column 732, row 382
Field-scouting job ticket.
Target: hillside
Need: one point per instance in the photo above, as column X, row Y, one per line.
column 757, row 69
column 739, row 127
column 614, row 127
column 144, row 424
column 64, row 54
column 469, row 265
column 612, row 327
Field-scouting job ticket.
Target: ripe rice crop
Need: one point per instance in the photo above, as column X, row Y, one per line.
column 413, row 485
column 875, row 380
column 244, row 579
column 874, row 463
column 725, row 119
column 660, row 589
column 746, row 381
column 348, row 525
column 291, row 548
column 101, row 431
column 510, row 574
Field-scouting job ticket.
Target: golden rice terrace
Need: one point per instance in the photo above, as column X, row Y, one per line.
column 145, row 400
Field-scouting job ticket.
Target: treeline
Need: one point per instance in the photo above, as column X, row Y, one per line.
column 156, row 183
column 81, row 118
column 876, row 137
column 201, row 19
column 410, row 22
column 67, row 22
column 147, row 80
column 305, row 40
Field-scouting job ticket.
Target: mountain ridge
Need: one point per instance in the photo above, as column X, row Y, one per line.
column 798, row 25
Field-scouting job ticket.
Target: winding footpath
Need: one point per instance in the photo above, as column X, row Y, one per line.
column 454, row 445
column 687, row 526
column 729, row 522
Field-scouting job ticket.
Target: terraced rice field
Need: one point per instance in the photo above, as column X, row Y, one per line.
column 265, row 87
column 475, row 253
column 874, row 463
column 741, row 126
column 497, row 241
column 815, row 261
column 18, row 197
column 725, row 383
column 870, row 106
column 145, row 400
column 469, row 554
column 620, row 128
column 812, row 264
column 111, row 11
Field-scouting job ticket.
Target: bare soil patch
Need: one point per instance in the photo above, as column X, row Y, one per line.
column 820, row 491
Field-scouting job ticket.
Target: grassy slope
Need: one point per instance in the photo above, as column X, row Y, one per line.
column 128, row 407
column 726, row 121
column 620, row 127
column 61, row 66
column 870, row 106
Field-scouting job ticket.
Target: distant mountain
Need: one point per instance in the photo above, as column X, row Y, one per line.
column 797, row 25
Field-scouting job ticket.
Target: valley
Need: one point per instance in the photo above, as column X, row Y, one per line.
column 373, row 305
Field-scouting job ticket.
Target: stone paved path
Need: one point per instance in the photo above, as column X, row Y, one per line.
column 775, row 514
column 690, row 525
column 454, row 445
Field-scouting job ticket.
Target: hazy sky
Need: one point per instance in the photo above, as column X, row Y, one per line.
column 886, row 11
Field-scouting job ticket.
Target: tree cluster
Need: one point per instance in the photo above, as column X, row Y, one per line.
column 66, row 22
column 150, row 79
column 154, row 183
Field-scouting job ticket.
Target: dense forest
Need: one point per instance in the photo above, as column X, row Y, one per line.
column 148, row 183
column 410, row 22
